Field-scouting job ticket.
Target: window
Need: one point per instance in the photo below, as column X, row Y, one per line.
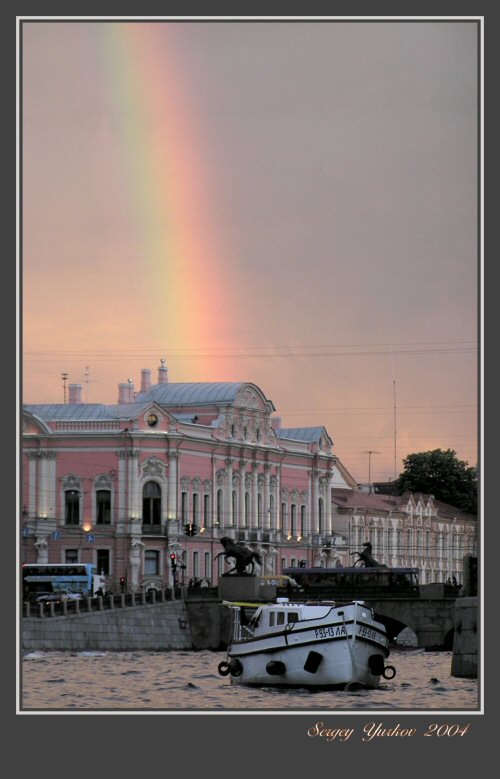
column 71, row 555
column 196, row 503
column 72, row 507
column 293, row 520
column 280, row 618
column 151, row 562
column 208, row 571
column 302, row 521
column 151, row 503
column 196, row 565
column 271, row 619
column 206, row 511
column 283, row 517
column 293, row 616
column 184, row 503
column 103, row 507
column 259, row 510
column 246, row 518
column 102, row 562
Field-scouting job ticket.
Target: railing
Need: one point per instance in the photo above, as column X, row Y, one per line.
column 106, row 603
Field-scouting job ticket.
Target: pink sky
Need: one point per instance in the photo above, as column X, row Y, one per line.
column 288, row 204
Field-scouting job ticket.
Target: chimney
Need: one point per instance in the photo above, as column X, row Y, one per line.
column 163, row 372
column 75, row 393
column 145, row 379
column 125, row 393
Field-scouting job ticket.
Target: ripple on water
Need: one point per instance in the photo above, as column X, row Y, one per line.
column 171, row 681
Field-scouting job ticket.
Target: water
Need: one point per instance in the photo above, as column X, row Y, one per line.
column 188, row 681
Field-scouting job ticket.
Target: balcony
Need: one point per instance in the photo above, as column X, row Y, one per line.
column 152, row 530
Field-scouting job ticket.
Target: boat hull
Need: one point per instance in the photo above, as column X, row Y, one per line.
column 332, row 654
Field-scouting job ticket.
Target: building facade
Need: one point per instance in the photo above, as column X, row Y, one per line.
column 407, row 530
column 145, row 489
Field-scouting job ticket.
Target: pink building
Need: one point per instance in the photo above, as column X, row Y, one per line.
column 122, row 485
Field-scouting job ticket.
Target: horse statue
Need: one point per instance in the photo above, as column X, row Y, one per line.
column 242, row 556
column 366, row 558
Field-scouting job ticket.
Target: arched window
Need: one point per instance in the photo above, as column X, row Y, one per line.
column 72, row 507
column 151, row 503
column 293, row 520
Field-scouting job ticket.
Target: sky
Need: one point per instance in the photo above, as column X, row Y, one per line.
column 288, row 203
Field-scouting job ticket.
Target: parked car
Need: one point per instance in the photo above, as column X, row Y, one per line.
column 57, row 597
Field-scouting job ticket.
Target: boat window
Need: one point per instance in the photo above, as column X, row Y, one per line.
column 281, row 618
column 293, row 616
column 271, row 619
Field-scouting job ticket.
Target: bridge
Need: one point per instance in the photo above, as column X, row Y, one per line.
column 432, row 620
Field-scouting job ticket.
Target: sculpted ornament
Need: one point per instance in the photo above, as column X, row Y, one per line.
column 136, row 548
column 153, row 467
column 42, row 548
column 249, row 398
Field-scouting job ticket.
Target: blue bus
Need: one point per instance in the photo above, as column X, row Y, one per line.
column 79, row 578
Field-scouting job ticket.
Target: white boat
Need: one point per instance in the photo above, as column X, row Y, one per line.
column 318, row 645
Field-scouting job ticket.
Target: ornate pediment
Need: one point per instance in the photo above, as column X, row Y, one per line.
column 248, row 397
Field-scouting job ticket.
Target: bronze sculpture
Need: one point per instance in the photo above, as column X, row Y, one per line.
column 242, row 556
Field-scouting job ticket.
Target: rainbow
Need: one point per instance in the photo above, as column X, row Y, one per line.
column 166, row 170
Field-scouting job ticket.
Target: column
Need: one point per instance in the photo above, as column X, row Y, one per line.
column 242, row 492
column 229, row 492
column 314, row 501
column 172, row 485
column 328, row 503
column 255, row 490
column 42, row 486
column 51, row 484
column 122, row 485
column 134, row 507
column 267, row 492
column 32, row 505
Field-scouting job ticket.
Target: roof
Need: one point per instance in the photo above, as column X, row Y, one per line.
column 70, row 411
column 364, row 500
column 309, row 434
column 191, row 393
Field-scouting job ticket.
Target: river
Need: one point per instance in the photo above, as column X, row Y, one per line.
column 189, row 682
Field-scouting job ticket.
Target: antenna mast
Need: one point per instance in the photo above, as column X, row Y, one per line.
column 395, row 427
column 64, row 377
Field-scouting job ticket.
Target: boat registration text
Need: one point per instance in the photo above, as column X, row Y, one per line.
column 333, row 631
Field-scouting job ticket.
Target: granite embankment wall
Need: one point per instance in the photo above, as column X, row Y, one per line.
column 465, row 640
column 172, row 625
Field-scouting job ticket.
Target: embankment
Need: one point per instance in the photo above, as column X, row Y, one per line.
column 172, row 625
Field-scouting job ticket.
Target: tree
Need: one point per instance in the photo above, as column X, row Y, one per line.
column 442, row 474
